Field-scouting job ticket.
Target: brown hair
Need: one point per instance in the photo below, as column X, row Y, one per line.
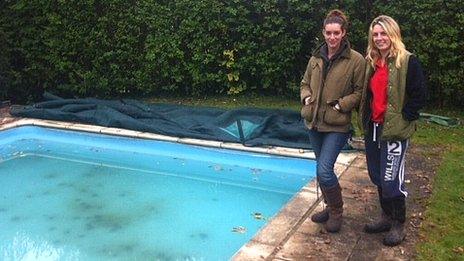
column 336, row 16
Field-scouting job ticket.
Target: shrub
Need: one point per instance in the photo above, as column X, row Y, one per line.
column 132, row 48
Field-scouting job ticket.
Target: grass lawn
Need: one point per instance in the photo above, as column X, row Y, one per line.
column 443, row 227
column 442, row 231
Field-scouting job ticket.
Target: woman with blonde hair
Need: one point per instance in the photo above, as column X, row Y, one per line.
column 394, row 91
column 331, row 88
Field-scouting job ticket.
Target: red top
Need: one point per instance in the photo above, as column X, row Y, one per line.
column 378, row 85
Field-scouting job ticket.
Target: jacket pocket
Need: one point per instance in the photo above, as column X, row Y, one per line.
column 396, row 127
column 307, row 112
column 333, row 117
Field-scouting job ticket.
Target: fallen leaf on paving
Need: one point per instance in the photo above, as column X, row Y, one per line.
column 458, row 250
column 414, row 225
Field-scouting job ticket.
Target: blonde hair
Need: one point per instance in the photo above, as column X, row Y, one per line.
column 397, row 48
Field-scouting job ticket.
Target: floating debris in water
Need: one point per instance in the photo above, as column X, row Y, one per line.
column 258, row 216
column 201, row 235
column 239, row 229
column 46, row 193
column 50, row 176
column 15, row 218
column 49, row 217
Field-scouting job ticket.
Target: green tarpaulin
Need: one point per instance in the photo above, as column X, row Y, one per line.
column 249, row 126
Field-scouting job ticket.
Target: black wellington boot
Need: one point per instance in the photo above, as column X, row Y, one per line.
column 383, row 224
column 396, row 234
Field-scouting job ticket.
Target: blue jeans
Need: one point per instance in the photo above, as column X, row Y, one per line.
column 327, row 146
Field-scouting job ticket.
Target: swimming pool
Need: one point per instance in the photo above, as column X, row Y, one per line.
column 75, row 195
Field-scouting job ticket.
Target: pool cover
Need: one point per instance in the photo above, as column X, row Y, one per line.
column 249, row 126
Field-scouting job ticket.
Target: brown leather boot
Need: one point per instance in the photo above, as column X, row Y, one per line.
column 335, row 208
column 321, row 216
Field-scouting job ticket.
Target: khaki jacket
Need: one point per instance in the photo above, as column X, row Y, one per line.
column 396, row 127
column 343, row 84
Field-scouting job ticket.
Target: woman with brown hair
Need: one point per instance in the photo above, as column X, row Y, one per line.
column 331, row 88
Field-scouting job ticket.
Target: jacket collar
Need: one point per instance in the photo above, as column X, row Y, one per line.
column 343, row 52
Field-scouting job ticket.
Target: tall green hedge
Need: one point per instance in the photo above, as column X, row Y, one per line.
column 111, row 48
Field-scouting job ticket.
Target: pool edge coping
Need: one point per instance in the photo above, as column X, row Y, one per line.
column 267, row 241
column 273, row 150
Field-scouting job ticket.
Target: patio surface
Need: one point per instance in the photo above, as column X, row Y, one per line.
column 309, row 241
